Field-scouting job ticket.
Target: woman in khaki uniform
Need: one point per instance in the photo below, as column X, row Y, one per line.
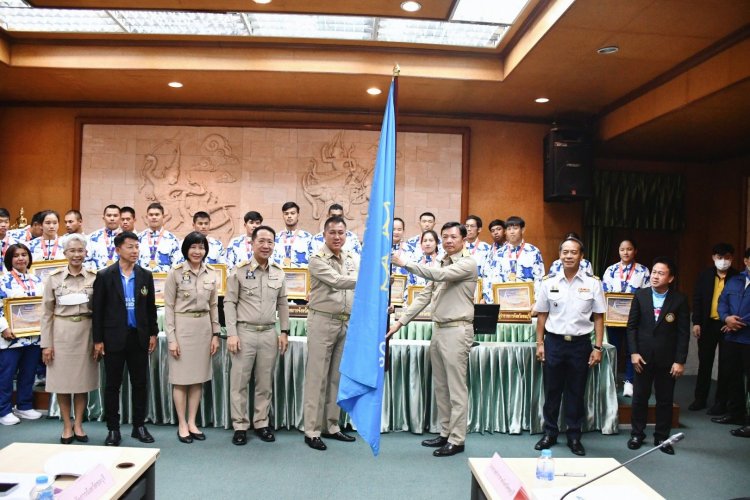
column 67, row 343
column 192, row 322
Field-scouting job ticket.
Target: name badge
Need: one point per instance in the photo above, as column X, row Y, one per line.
column 72, row 299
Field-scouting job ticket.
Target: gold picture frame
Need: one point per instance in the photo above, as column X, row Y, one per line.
column 398, row 289
column 411, row 293
column 618, row 308
column 515, row 299
column 297, row 283
column 478, row 292
column 160, row 280
column 44, row 268
column 24, row 315
column 222, row 270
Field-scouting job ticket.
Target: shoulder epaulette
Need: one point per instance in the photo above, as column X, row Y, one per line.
column 211, row 267
column 242, row 264
column 57, row 271
column 550, row 275
column 178, row 266
column 590, row 275
column 277, row 265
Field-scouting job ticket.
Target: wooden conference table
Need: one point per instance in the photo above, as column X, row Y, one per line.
column 620, row 484
column 133, row 470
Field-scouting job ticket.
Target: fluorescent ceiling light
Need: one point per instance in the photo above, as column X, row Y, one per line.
column 19, row 16
column 483, row 11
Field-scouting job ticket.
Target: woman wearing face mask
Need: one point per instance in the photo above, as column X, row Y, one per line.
column 429, row 258
column 49, row 245
column 626, row 276
column 67, row 342
column 192, row 323
column 19, row 356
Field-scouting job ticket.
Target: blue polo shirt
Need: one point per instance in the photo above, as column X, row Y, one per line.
column 735, row 301
column 128, row 290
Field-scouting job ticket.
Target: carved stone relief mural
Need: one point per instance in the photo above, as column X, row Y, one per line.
column 227, row 171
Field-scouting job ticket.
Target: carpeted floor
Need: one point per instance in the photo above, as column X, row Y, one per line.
column 709, row 463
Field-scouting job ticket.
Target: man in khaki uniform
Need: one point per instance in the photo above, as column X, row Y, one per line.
column 255, row 292
column 333, row 275
column 451, row 291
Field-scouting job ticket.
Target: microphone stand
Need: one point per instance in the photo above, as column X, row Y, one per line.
column 673, row 439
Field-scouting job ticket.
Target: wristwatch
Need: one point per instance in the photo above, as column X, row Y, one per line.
column 285, row 331
column 597, row 348
column 216, row 334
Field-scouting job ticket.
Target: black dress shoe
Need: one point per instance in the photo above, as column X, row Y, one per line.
column 187, row 439
column 239, row 438
column 697, row 405
column 81, row 439
column 743, row 432
column 448, row 450
column 113, row 438
column 717, row 409
column 576, row 447
column 315, row 443
column 66, row 440
column 198, row 436
column 142, row 434
column 667, row 448
column 265, row 434
column 635, row 442
column 437, row 442
column 729, row 419
column 339, row 436
column 546, row 442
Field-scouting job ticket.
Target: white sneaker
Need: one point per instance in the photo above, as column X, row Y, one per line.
column 9, row 419
column 28, row 414
column 627, row 390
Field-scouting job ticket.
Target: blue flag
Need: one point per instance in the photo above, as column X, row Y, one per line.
column 363, row 360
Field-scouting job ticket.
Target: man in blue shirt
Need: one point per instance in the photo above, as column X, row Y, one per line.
column 734, row 312
column 124, row 331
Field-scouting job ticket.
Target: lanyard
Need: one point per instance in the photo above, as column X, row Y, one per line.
column 630, row 274
column 45, row 250
column 26, row 288
column 248, row 247
column 288, row 246
column 110, row 249
column 472, row 247
column 151, row 246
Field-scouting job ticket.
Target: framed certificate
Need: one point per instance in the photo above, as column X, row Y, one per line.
column 24, row 315
column 44, row 268
column 478, row 292
column 297, row 283
column 411, row 293
column 398, row 287
column 618, row 308
column 515, row 301
column 160, row 279
column 221, row 269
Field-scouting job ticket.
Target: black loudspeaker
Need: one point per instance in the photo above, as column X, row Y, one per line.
column 568, row 166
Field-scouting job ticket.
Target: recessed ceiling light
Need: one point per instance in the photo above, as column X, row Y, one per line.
column 262, row 2
column 610, row 49
column 541, row 100
column 411, row 6
column 374, row 91
column 175, row 85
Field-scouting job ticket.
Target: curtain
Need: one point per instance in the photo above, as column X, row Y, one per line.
column 631, row 200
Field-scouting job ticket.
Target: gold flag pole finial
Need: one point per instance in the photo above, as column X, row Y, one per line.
column 396, row 70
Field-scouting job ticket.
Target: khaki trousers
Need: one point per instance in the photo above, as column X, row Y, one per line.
column 325, row 344
column 449, row 355
column 258, row 351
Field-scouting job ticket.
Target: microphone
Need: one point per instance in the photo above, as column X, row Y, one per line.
column 671, row 440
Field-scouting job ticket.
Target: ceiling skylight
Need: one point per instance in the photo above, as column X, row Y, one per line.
column 472, row 25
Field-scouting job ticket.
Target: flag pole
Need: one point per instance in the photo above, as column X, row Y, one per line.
column 394, row 79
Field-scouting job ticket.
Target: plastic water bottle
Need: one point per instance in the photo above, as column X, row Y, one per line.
column 545, row 467
column 43, row 489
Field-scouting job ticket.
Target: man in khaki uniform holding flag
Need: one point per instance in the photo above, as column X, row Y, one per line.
column 450, row 289
column 333, row 275
column 256, row 290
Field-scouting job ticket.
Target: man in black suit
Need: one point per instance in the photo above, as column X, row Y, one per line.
column 707, row 328
column 124, row 324
column 658, row 336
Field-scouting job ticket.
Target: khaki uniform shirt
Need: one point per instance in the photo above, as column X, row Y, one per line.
column 450, row 289
column 187, row 291
column 254, row 295
column 58, row 285
column 332, row 281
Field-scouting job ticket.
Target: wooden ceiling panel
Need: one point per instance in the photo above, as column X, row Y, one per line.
column 698, row 18
column 607, row 15
column 431, row 9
